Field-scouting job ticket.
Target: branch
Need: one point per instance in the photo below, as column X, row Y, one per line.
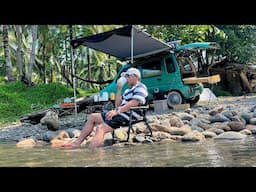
column 90, row 81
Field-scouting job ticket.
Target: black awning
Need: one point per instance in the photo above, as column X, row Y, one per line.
column 117, row 43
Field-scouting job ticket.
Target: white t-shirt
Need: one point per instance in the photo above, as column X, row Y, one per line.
column 138, row 92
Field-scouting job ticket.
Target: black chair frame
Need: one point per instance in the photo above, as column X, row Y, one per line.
column 144, row 119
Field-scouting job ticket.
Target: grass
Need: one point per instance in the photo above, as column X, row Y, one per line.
column 17, row 99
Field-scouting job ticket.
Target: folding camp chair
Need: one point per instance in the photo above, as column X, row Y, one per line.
column 142, row 110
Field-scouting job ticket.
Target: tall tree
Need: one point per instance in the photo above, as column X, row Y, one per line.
column 19, row 54
column 8, row 63
column 32, row 54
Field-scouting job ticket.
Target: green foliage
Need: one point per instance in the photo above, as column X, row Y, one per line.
column 237, row 41
column 84, row 93
column 16, row 99
column 220, row 92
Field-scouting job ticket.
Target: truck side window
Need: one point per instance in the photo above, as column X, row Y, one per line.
column 187, row 67
column 151, row 69
column 169, row 65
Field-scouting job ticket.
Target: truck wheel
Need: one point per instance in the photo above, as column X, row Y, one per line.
column 174, row 98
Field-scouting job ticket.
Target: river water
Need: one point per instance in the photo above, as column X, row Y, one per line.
column 222, row 153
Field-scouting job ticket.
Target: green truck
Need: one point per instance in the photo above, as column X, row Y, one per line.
column 164, row 66
column 163, row 74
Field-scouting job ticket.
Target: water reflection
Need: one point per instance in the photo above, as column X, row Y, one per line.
column 209, row 154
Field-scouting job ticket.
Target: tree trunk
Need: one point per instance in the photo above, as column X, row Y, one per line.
column 70, row 38
column 19, row 54
column 7, row 56
column 89, row 67
column 32, row 54
column 44, row 64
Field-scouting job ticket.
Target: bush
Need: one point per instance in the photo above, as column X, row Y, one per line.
column 220, row 92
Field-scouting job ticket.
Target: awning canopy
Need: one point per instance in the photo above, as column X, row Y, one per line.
column 117, row 43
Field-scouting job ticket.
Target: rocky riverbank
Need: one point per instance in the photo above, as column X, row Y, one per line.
column 225, row 118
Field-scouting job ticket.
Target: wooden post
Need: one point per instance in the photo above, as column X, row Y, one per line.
column 245, row 81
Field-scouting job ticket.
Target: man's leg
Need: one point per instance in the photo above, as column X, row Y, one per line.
column 98, row 139
column 95, row 118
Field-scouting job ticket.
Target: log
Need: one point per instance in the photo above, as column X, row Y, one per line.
column 245, row 81
column 33, row 118
column 253, row 82
column 84, row 102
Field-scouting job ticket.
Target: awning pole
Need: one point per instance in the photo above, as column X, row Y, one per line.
column 73, row 69
column 132, row 45
column 74, row 80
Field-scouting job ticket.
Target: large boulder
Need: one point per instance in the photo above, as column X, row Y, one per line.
column 231, row 135
column 30, row 142
column 51, row 120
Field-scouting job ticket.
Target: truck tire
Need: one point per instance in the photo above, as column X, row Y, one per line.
column 174, row 98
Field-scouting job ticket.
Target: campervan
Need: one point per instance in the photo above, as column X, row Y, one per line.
column 167, row 75
column 166, row 69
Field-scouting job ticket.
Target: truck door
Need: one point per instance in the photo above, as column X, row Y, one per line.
column 172, row 75
column 151, row 75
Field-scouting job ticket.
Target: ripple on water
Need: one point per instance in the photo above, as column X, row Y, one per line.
column 222, row 153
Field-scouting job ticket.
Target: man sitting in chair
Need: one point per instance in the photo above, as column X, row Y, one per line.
column 108, row 121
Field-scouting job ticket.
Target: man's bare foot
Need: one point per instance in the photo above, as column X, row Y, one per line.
column 72, row 145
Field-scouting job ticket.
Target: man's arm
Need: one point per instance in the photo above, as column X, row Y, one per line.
column 118, row 100
column 124, row 108
column 127, row 106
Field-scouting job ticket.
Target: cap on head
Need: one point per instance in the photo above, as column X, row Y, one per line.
column 132, row 71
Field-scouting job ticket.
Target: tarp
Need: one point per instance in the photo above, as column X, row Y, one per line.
column 117, row 43
column 207, row 95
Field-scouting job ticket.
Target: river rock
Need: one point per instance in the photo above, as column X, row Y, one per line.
column 156, row 127
column 250, row 127
column 180, row 130
column 252, row 121
column 139, row 138
column 175, row 121
column 227, row 114
column 222, row 126
column 161, row 135
column 49, row 135
column 26, row 143
column 72, row 132
column 218, row 118
column 204, row 126
column 216, row 131
column 51, row 120
column 253, row 108
column 193, row 136
column 165, row 122
column 121, row 134
column 231, row 135
column 209, row 134
column 246, row 132
column 57, row 142
column 246, row 116
column 194, row 122
column 186, row 116
column 236, row 126
column 195, row 127
column 253, row 130
column 61, row 135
